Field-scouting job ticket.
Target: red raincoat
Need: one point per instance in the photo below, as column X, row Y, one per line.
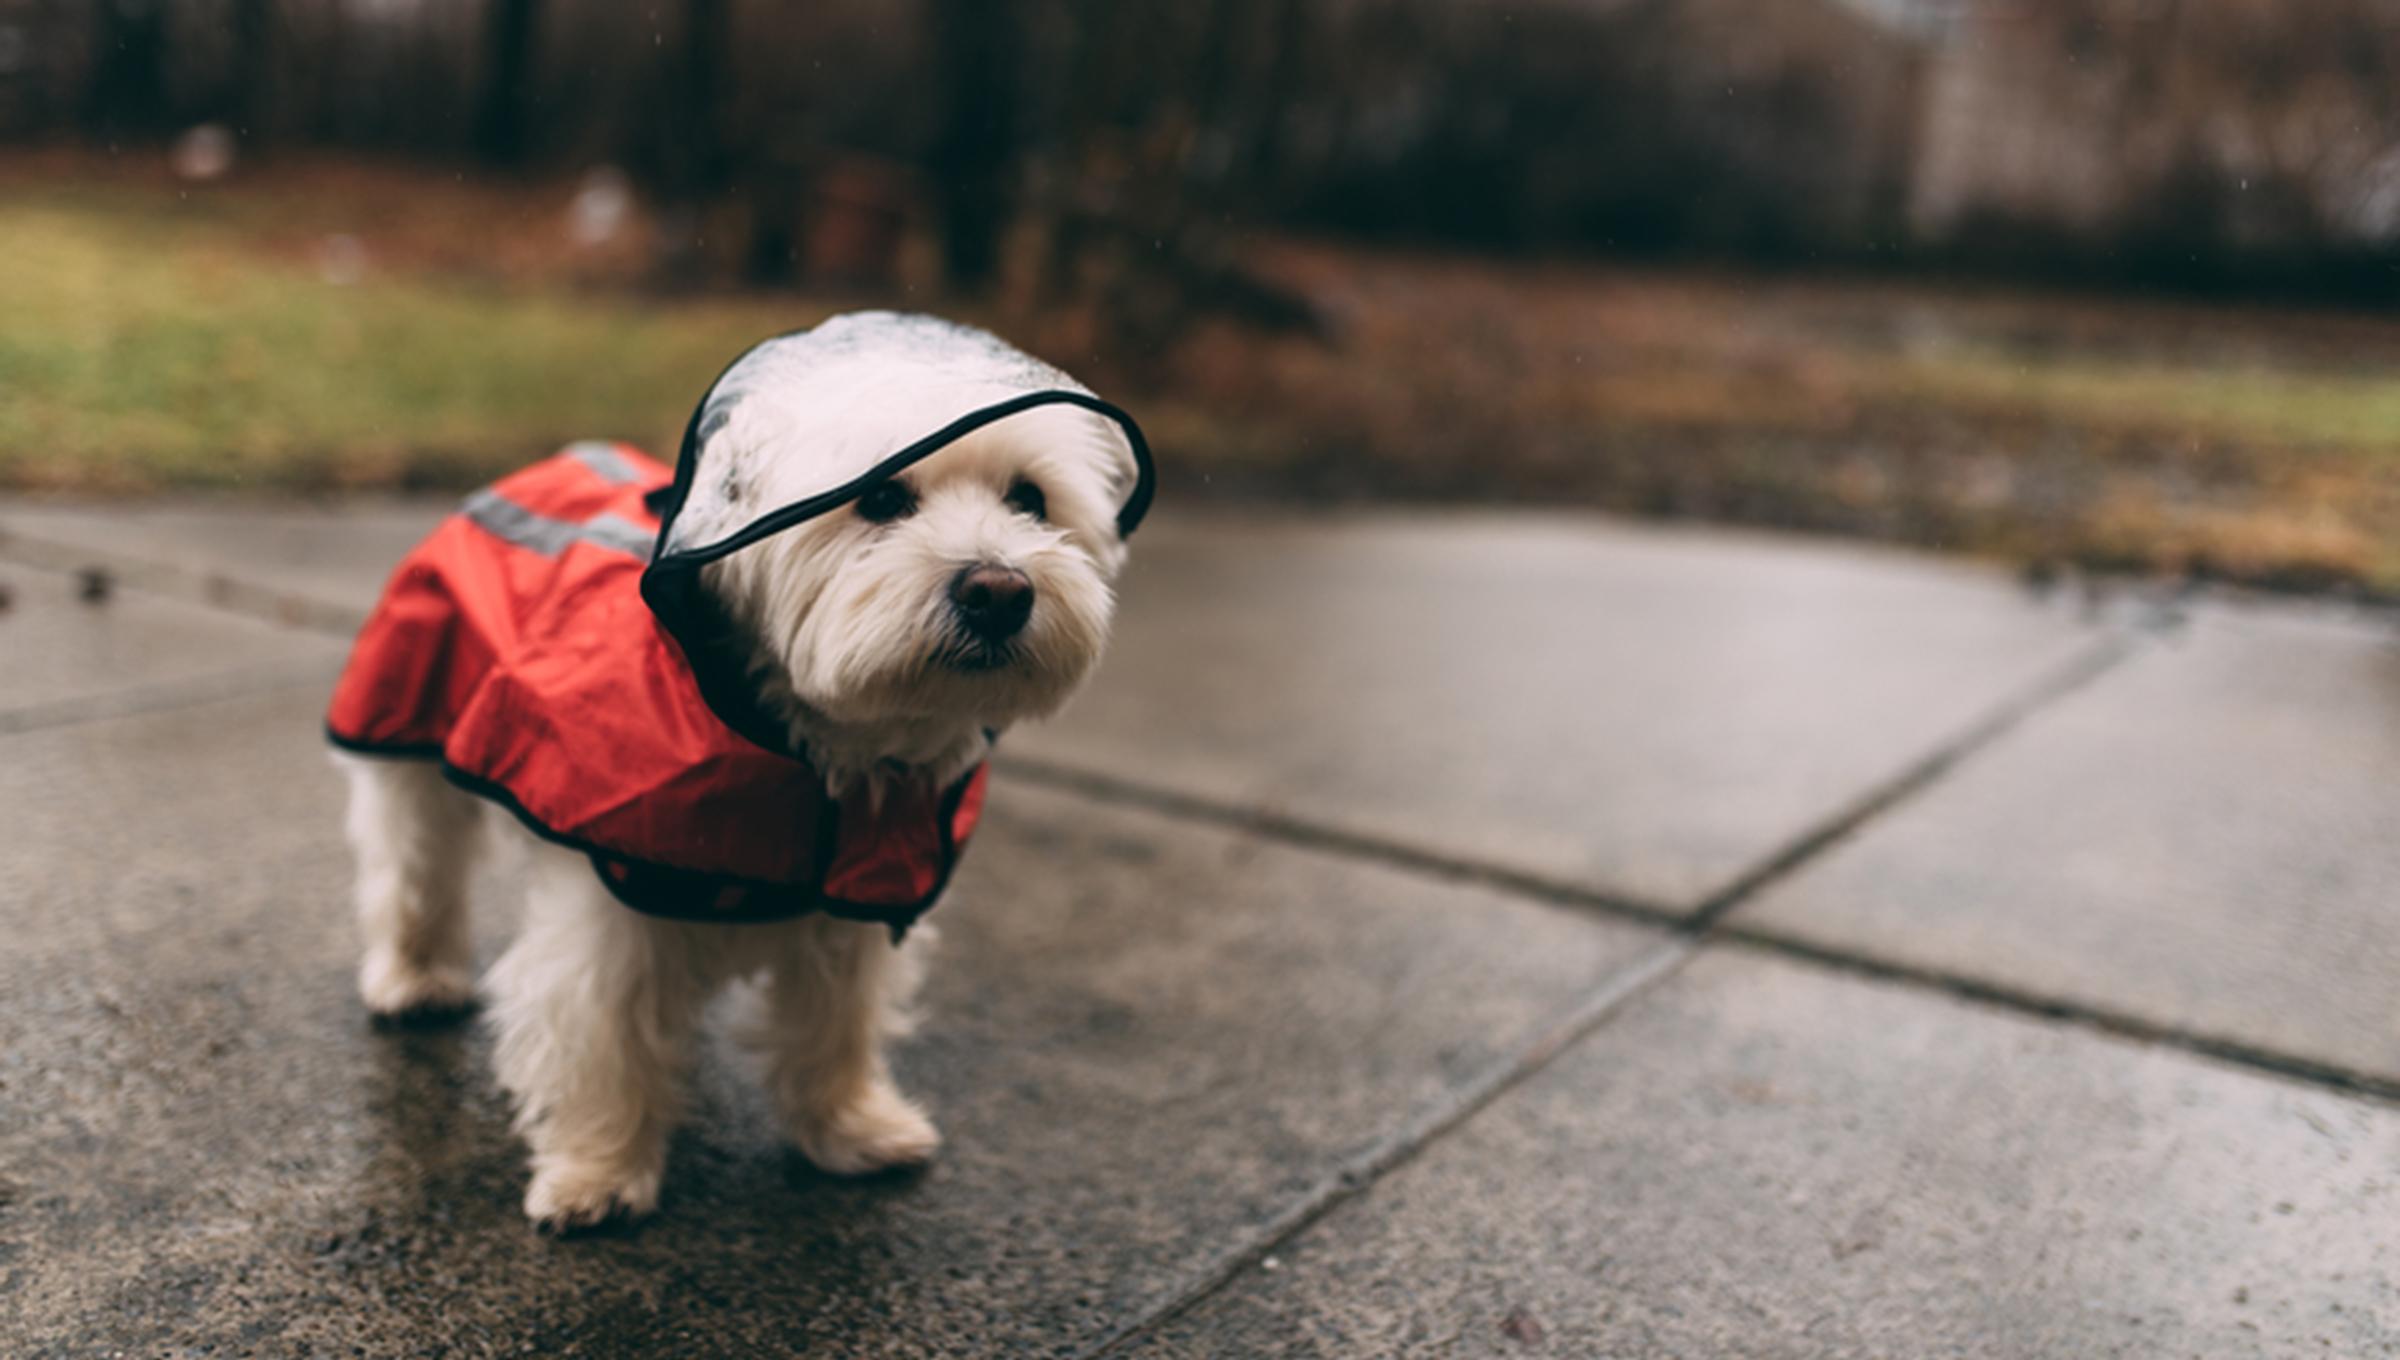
column 514, row 645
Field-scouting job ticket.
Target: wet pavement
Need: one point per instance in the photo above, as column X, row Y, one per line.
column 1472, row 935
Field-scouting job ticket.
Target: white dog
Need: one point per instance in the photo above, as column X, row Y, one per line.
column 883, row 631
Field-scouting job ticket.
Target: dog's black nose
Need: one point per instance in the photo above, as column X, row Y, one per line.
column 992, row 601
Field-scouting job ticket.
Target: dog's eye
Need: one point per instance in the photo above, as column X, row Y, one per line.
column 1027, row 499
column 886, row 501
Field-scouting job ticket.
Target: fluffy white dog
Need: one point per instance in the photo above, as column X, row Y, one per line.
column 886, row 638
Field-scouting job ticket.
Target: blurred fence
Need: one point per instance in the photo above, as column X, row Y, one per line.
column 2205, row 141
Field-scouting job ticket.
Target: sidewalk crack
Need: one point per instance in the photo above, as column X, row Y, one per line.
column 1694, row 933
column 1965, row 987
column 165, row 696
column 187, row 584
column 1307, row 834
column 2086, row 666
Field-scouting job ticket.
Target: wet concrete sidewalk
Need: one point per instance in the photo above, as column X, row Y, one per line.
column 1468, row 935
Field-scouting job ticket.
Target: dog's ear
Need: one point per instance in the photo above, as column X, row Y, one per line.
column 1130, row 479
column 1121, row 479
column 1122, row 474
column 1109, row 551
column 1100, row 488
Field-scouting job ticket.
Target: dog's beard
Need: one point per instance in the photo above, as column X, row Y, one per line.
column 886, row 644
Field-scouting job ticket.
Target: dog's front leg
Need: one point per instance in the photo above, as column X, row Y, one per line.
column 832, row 993
column 594, row 1005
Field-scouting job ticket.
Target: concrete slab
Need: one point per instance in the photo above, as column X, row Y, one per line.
column 1642, row 712
column 1764, row 1160
column 2208, row 840
column 1145, row 1040
column 61, row 653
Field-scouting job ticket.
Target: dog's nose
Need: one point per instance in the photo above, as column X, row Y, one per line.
column 992, row 601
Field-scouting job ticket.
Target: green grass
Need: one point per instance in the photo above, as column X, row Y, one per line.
column 2258, row 407
column 137, row 351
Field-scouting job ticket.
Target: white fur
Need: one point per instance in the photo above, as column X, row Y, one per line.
column 852, row 616
column 594, row 1004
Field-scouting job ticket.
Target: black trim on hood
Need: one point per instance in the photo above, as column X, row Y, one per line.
column 1129, row 515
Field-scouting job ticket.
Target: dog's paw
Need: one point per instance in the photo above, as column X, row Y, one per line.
column 396, row 989
column 880, row 1130
column 568, row 1197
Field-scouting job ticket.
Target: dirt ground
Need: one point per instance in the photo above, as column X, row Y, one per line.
column 2110, row 433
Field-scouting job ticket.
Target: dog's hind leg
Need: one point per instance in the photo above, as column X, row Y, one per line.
column 832, row 994
column 594, row 1006
column 415, row 838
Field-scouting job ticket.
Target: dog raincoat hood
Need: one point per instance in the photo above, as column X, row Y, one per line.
column 551, row 645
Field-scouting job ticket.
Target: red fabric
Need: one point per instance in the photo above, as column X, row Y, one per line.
column 891, row 851
column 541, row 677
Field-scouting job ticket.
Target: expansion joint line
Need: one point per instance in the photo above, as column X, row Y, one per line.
column 191, row 585
column 1355, row 1175
column 1689, row 931
column 1692, row 933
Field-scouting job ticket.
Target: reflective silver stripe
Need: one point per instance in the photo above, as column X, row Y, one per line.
column 616, row 531
column 604, row 460
column 510, row 522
